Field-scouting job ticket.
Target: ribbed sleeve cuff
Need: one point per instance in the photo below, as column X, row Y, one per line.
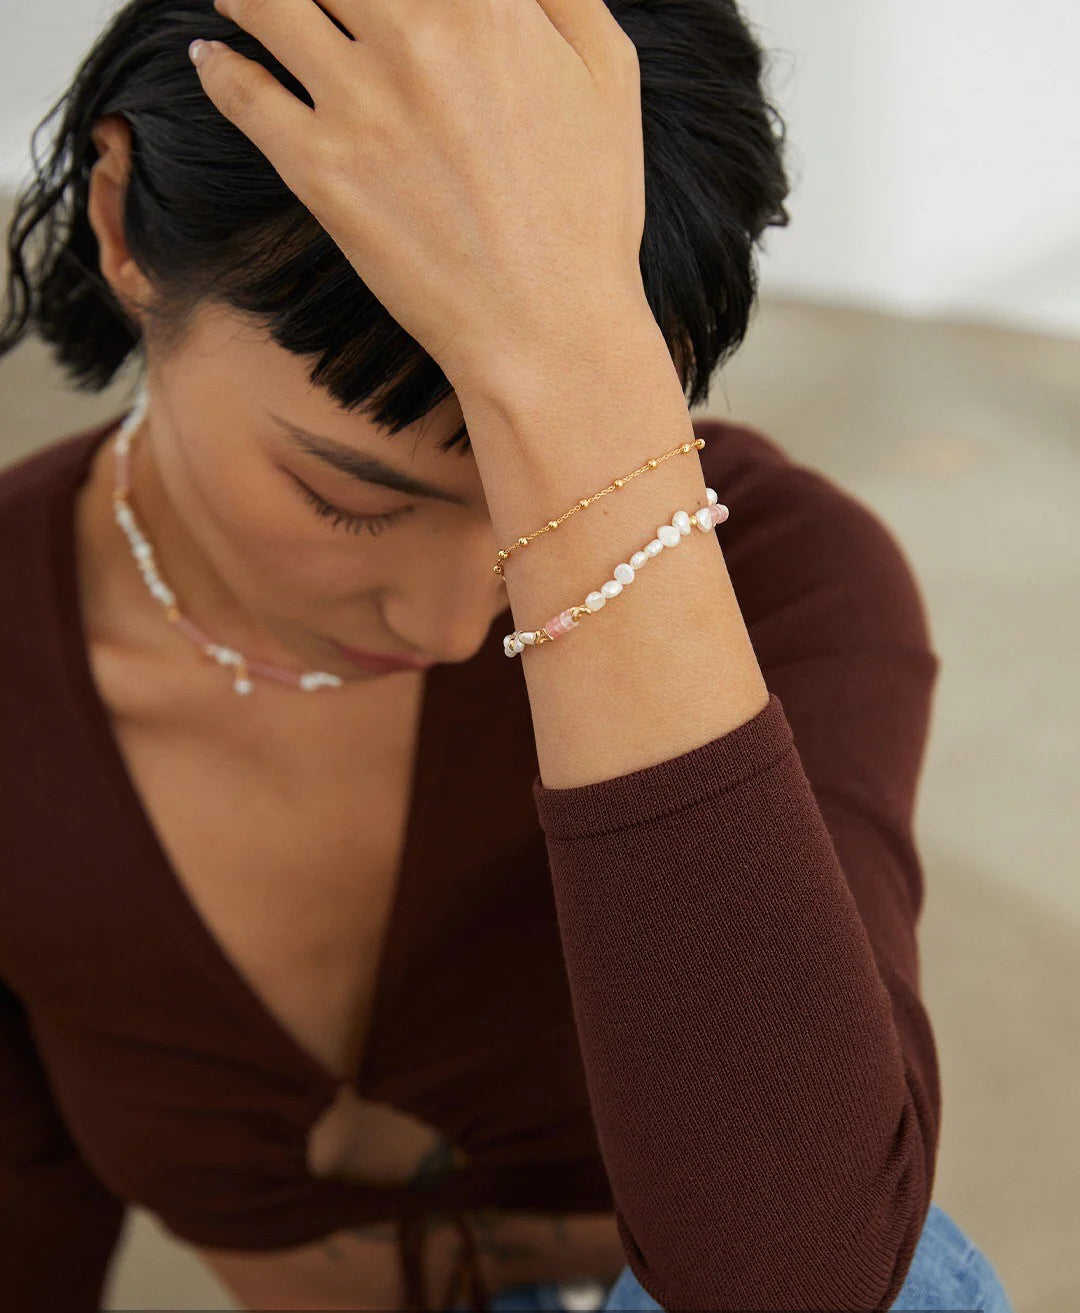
column 643, row 795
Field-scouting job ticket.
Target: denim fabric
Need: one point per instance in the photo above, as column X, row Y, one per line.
column 947, row 1272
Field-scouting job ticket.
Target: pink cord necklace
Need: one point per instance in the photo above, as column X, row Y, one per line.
column 143, row 552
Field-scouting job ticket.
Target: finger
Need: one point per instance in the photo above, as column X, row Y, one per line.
column 254, row 100
column 297, row 33
column 587, row 25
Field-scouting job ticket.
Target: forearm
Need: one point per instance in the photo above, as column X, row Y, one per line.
column 668, row 664
column 752, row 1091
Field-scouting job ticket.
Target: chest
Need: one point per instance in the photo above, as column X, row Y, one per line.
column 288, row 842
column 286, row 832
column 271, row 911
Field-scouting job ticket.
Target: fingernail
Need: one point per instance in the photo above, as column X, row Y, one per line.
column 197, row 52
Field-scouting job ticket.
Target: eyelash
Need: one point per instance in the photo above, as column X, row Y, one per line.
column 352, row 522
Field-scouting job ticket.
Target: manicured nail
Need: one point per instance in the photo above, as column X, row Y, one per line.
column 197, row 51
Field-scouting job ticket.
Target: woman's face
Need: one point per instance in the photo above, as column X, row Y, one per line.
column 320, row 525
column 299, row 535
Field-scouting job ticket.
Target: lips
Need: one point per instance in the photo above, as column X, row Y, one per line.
column 380, row 665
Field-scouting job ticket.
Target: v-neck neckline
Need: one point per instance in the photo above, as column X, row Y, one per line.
column 198, row 934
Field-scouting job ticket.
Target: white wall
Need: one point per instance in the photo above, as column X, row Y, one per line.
column 41, row 42
column 936, row 146
column 937, row 149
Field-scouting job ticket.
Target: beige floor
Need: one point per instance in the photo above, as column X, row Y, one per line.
column 966, row 441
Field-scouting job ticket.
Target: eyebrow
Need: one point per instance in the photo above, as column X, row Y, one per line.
column 364, row 466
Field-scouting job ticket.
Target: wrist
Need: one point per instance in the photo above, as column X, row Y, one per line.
column 544, row 436
column 614, row 346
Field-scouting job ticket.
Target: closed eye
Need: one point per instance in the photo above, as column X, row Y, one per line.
column 351, row 521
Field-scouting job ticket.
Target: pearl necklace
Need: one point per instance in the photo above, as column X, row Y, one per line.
column 143, row 552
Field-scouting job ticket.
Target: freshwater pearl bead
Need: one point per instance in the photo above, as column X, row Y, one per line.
column 710, row 496
column 639, row 559
column 655, row 547
column 624, row 573
column 242, row 685
column 319, row 679
column 681, row 521
column 669, row 535
column 527, row 636
column 612, row 588
column 704, row 518
column 595, row 601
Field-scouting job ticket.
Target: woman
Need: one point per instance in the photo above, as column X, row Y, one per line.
column 385, row 970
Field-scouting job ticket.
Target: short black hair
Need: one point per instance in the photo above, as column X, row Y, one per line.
column 208, row 217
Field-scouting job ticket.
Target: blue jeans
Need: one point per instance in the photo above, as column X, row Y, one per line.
column 947, row 1272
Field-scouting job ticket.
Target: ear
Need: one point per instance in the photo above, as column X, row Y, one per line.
column 112, row 137
column 105, row 213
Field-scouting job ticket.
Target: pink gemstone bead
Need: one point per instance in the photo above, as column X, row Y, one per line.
column 719, row 513
column 191, row 631
column 561, row 624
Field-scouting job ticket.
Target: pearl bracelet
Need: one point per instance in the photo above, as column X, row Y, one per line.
column 668, row 535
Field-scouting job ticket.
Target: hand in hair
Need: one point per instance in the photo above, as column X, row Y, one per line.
column 478, row 162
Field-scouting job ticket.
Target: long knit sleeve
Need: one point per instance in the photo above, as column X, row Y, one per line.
column 58, row 1224
column 739, row 931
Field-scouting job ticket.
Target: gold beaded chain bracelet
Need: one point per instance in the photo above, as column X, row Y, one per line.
column 682, row 448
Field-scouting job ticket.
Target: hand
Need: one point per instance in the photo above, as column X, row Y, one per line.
column 478, row 162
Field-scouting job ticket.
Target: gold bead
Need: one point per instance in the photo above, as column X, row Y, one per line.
column 653, row 464
column 584, row 502
column 686, row 446
column 522, row 542
column 172, row 615
column 618, row 483
column 699, row 443
column 503, row 555
column 553, row 524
